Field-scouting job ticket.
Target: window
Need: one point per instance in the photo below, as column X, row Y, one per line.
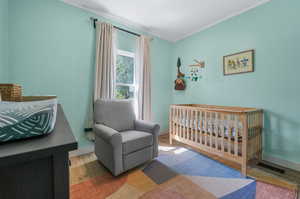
column 125, row 75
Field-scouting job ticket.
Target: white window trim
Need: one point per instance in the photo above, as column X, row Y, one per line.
column 134, row 84
column 126, row 53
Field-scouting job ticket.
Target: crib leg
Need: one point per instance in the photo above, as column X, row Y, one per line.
column 259, row 156
column 170, row 138
column 244, row 169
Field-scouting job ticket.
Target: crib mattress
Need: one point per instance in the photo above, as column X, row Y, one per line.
column 216, row 143
column 212, row 126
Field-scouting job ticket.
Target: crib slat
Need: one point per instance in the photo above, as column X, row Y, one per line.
column 252, row 146
column 180, row 122
column 205, row 127
column 196, row 126
column 193, row 127
column 188, row 124
column 216, row 127
column 211, row 130
column 236, row 136
column 200, row 122
column 170, row 125
column 244, row 143
column 229, row 135
column 173, row 122
column 222, row 125
column 184, row 123
column 176, row 121
column 261, row 122
column 256, row 134
column 215, row 130
column 253, row 134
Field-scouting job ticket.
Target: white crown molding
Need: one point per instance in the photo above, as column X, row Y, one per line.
column 222, row 19
column 139, row 27
column 117, row 19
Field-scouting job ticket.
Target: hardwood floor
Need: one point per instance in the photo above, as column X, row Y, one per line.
column 290, row 179
column 77, row 161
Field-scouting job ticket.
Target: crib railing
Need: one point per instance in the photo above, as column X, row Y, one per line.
column 229, row 132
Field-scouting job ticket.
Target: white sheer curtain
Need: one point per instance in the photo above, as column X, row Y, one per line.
column 143, row 77
column 104, row 87
column 105, row 61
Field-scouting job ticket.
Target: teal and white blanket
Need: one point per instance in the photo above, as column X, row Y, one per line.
column 20, row 120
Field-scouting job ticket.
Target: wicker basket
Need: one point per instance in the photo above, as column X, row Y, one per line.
column 10, row 92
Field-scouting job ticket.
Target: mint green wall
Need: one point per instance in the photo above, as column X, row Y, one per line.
column 273, row 30
column 52, row 52
column 3, row 41
column 126, row 41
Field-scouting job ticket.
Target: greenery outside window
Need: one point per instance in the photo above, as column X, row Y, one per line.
column 125, row 75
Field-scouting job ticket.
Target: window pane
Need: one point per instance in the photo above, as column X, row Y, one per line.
column 124, row 92
column 125, row 69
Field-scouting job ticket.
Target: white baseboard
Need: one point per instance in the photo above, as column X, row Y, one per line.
column 164, row 132
column 82, row 151
column 281, row 162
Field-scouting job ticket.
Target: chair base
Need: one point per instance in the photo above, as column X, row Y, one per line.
column 118, row 164
column 137, row 158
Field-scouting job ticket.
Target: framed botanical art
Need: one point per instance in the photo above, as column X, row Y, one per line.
column 242, row 62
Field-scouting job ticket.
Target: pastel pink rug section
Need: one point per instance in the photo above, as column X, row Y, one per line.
column 267, row 191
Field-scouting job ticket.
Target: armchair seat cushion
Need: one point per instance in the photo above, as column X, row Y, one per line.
column 135, row 140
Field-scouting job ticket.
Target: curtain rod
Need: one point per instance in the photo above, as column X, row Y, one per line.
column 124, row 30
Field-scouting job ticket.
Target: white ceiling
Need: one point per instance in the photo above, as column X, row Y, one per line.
column 168, row 19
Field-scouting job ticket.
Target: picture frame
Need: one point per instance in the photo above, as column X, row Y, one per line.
column 238, row 63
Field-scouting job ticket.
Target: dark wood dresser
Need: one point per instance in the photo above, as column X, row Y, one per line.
column 38, row 168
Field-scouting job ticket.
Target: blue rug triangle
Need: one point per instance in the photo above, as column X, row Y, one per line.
column 247, row 192
column 198, row 165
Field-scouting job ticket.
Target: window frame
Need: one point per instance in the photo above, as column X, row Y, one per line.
column 134, row 85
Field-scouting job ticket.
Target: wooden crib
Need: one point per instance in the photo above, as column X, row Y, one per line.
column 233, row 133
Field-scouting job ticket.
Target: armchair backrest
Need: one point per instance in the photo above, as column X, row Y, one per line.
column 116, row 114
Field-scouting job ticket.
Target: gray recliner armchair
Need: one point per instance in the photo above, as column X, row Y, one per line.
column 121, row 141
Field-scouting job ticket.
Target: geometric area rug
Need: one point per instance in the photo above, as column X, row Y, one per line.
column 177, row 173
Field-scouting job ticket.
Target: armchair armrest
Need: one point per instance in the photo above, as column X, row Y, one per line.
column 108, row 134
column 108, row 148
column 146, row 126
column 141, row 125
